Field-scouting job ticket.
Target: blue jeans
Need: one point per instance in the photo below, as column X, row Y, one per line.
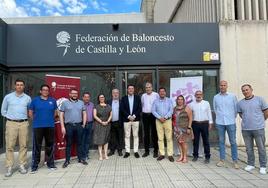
column 87, row 139
column 74, row 131
column 259, row 136
column 231, row 131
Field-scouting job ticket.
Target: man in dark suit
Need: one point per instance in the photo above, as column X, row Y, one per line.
column 130, row 110
column 116, row 136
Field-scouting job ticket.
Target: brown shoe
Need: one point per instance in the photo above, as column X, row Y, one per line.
column 161, row 157
column 236, row 166
column 170, row 158
column 220, row 163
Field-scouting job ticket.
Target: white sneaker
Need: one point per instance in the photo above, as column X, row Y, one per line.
column 9, row 172
column 263, row 171
column 249, row 168
column 22, row 169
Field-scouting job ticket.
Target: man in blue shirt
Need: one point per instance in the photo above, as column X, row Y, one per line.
column 254, row 111
column 43, row 111
column 224, row 104
column 14, row 109
column 162, row 109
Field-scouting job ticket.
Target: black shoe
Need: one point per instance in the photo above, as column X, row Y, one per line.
column 111, row 153
column 170, row 158
column 52, row 167
column 136, row 154
column 145, row 154
column 194, row 159
column 155, row 154
column 206, row 161
column 120, row 153
column 83, row 162
column 126, row 155
column 161, row 157
column 65, row 164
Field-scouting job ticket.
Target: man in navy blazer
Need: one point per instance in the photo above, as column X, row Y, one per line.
column 116, row 134
column 130, row 110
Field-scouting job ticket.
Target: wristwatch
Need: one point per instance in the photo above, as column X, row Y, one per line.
column 189, row 127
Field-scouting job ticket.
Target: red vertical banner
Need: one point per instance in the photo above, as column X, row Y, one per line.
column 59, row 89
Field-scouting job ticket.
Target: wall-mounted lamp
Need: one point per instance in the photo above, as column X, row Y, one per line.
column 115, row 27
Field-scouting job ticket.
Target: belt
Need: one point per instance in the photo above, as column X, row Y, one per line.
column 200, row 122
column 74, row 124
column 89, row 122
column 115, row 121
column 17, row 120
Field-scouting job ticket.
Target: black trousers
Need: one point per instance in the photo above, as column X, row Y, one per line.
column 116, row 137
column 150, row 132
column 201, row 128
column 38, row 134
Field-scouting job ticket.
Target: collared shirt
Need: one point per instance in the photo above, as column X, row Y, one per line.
column 201, row 111
column 252, row 113
column 131, row 103
column 115, row 110
column 72, row 111
column 89, row 109
column 147, row 101
column 15, row 107
column 43, row 112
column 225, row 107
column 162, row 108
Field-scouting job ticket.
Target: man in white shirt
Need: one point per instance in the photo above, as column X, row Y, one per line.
column 148, row 120
column 202, row 123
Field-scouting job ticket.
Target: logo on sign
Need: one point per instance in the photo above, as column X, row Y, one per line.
column 63, row 38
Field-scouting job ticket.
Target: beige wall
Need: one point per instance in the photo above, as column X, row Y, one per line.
column 244, row 58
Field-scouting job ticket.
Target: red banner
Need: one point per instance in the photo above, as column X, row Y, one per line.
column 59, row 89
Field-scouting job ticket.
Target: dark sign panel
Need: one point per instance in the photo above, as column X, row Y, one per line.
column 112, row 44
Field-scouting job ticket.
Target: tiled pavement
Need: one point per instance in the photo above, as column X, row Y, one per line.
column 143, row 172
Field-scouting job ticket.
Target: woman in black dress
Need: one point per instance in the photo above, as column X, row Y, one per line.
column 102, row 116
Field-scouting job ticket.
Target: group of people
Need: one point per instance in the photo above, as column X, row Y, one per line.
column 110, row 122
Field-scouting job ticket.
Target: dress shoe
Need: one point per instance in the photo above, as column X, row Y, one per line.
column 194, row 159
column 65, row 164
column 155, row 154
column 111, row 153
column 161, row 157
column 170, row 158
column 84, row 162
column 206, row 161
column 120, row 153
column 145, row 154
column 126, row 155
column 136, row 154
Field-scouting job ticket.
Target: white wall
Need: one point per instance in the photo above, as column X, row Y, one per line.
column 244, row 58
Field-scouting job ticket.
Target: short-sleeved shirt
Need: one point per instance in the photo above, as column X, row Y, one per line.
column 43, row 112
column 15, row 106
column 252, row 113
column 73, row 111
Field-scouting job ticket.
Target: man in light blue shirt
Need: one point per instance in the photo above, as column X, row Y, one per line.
column 162, row 109
column 15, row 110
column 224, row 104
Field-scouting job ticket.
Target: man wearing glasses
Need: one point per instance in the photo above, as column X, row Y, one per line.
column 73, row 119
column 43, row 110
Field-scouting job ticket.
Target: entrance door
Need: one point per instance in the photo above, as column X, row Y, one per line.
column 138, row 78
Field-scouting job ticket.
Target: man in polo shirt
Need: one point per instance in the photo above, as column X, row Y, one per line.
column 43, row 110
column 73, row 119
column 14, row 109
column 86, row 142
column 254, row 111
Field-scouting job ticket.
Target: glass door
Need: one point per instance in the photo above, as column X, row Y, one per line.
column 138, row 78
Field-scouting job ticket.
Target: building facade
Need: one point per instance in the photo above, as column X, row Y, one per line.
column 106, row 52
column 243, row 34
